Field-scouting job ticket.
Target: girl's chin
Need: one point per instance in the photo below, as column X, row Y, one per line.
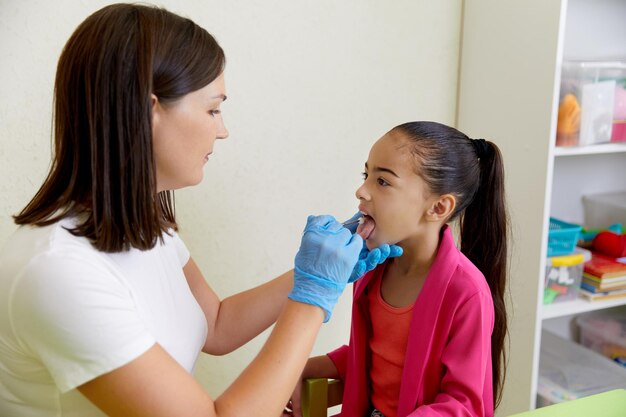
column 373, row 243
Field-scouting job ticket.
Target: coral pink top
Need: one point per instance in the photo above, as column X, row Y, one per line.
column 390, row 332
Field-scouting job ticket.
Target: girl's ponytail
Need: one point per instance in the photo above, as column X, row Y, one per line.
column 484, row 226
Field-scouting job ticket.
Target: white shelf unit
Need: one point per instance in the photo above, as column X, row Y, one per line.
column 571, row 308
column 590, row 150
column 509, row 82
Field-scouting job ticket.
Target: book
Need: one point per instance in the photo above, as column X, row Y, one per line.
column 595, row 289
column 604, row 282
column 604, row 267
column 607, row 295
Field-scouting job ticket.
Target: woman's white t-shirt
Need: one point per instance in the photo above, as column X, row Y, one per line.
column 69, row 313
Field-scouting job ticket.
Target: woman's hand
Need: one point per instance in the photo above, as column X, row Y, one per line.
column 324, row 263
column 369, row 259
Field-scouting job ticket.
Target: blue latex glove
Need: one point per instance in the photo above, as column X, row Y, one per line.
column 324, row 262
column 368, row 260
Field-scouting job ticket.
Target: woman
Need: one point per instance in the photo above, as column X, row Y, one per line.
column 103, row 310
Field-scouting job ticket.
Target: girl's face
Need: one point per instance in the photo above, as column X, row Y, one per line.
column 184, row 133
column 393, row 197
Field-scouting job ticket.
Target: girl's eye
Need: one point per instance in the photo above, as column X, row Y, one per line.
column 382, row 182
column 215, row 112
column 364, row 175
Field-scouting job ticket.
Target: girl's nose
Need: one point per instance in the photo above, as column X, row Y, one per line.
column 361, row 193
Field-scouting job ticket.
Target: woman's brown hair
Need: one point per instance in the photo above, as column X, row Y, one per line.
column 473, row 171
column 103, row 168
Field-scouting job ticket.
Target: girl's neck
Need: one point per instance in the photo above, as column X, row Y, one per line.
column 405, row 275
column 419, row 253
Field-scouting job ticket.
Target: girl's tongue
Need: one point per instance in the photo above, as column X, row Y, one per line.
column 366, row 228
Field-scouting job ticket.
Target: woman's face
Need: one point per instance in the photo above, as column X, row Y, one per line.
column 393, row 197
column 184, row 133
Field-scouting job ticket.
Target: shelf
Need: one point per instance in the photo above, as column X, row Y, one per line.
column 590, row 150
column 579, row 305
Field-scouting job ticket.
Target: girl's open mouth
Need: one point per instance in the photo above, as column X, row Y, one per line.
column 366, row 228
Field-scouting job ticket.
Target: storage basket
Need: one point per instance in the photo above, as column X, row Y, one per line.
column 562, row 237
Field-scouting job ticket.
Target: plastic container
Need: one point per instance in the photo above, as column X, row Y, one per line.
column 562, row 237
column 563, row 276
column 568, row 371
column 592, row 106
column 605, row 333
column 602, row 210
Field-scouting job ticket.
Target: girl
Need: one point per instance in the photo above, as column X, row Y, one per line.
column 428, row 328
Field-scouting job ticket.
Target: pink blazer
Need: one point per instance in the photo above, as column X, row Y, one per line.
column 447, row 368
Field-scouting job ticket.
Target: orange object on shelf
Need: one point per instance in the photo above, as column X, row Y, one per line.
column 568, row 124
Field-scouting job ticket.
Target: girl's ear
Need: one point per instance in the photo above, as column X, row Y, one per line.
column 442, row 208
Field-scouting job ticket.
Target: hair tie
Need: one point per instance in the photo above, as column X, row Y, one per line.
column 481, row 147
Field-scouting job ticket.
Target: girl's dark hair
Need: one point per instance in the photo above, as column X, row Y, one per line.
column 472, row 171
column 103, row 168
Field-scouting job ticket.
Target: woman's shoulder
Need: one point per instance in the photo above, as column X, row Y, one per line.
column 46, row 249
column 52, row 236
column 46, row 269
column 30, row 239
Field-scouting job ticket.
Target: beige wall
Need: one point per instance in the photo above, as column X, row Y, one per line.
column 311, row 85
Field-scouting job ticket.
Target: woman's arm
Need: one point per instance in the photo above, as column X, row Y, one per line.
column 237, row 319
column 155, row 385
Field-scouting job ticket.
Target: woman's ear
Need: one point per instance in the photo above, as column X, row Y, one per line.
column 154, row 103
column 442, row 208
